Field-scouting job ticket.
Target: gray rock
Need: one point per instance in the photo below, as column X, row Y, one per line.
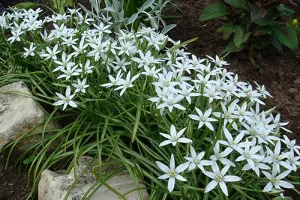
column 55, row 185
column 19, row 114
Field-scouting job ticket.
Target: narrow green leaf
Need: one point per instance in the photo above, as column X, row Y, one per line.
column 27, row 5
column 132, row 18
column 242, row 4
column 213, row 11
column 282, row 198
column 183, row 44
column 147, row 4
column 137, row 121
column 168, row 28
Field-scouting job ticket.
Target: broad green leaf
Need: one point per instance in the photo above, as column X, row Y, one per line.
column 275, row 43
column 265, row 22
column 290, row 39
column 27, row 5
column 213, row 11
column 284, row 10
column 238, row 36
column 257, row 13
column 242, row 4
column 232, row 48
column 227, row 30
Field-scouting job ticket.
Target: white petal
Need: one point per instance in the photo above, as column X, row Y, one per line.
column 73, row 104
column 179, row 177
column 165, row 176
column 182, row 167
column 165, row 135
column 195, row 117
column 283, row 174
column 231, row 178
column 172, row 130
column 171, row 184
column 267, row 175
column 180, row 107
column 166, row 142
column 209, row 126
column 285, row 184
column 163, row 167
column 172, row 162
column 60, row 95
column 223, row 188
column 227, row 134
column 179, row 134
column 209, row 174
column 225, row 169
column 211, row 186
column 184, row 140
column 268, row 187
column 68, row 91
column 58, row 103
column 193, row 152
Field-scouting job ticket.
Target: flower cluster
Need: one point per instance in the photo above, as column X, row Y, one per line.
column 223, row 135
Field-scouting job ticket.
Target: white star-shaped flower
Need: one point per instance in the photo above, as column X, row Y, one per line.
column 174, row 137
column 172, row 173
column 66, row 100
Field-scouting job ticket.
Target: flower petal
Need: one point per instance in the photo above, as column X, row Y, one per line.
column 231, row 178
column 211, row 186
column 182, row 167
column 223, row 187
column 268, row 187
column 171, row 184
column 163, row 167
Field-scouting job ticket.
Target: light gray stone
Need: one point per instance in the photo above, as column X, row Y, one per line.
column 19, row 114
column 54, row 185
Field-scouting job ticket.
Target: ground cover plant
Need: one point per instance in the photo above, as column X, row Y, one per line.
column 142, row 87
column 129, row 14
column 254, row 25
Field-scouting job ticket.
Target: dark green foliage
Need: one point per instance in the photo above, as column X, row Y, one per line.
column 254, row 24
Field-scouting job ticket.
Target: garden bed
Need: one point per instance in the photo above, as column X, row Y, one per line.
column 280, row 73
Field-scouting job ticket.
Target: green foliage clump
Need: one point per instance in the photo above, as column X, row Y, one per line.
column 254, row 24
column 130, row 13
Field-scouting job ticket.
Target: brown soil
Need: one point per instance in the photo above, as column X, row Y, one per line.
column 280, row 73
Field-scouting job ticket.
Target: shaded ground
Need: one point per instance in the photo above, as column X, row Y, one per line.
column 279, row 73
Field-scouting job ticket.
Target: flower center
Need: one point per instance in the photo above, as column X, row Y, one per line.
column 66, row 100
column 197, row 161
column 219, row 178
column 172, row 173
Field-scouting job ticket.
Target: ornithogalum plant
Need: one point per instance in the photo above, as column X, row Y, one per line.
column 185, row 126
